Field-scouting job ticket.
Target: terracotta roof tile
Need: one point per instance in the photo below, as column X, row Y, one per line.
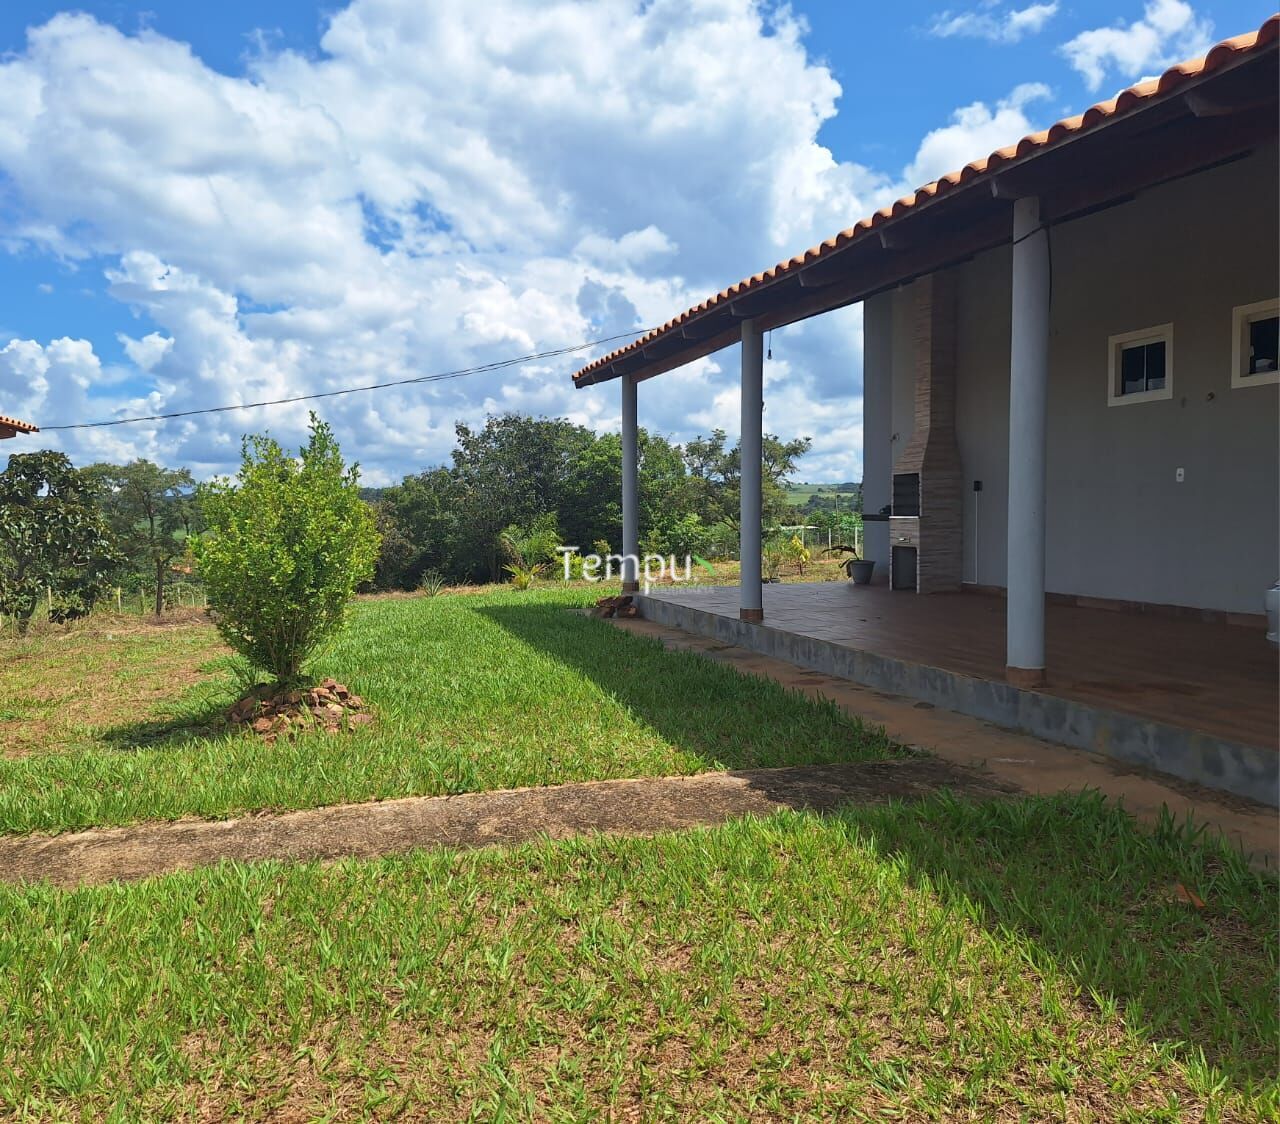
column 17, row 426
column 1134, row 96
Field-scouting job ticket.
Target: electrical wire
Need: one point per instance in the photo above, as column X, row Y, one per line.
column 441, row 376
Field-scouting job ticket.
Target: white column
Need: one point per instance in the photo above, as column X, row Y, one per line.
column 1028, row 413
column 752, row 603
column 630, row 487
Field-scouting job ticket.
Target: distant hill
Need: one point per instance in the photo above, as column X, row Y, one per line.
column 825, row 497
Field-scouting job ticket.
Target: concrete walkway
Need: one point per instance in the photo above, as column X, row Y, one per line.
column 1024, row 763
column 623, row 807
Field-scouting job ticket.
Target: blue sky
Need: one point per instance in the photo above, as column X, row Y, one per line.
column 209, row 203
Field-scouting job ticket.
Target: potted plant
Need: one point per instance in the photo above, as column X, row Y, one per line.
column 858, row 569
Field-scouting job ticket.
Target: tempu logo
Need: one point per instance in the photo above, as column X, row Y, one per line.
column 651, row 567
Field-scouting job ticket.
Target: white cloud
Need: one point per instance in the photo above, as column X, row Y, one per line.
column 148, row 351
column 1168, row 32
column 424, row 195
column 975, row 131
column 999, row 25
column 359, row 216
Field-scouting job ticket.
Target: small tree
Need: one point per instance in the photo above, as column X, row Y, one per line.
column 152, row 513
column 797, row 553
column 288, row 541
column 54, row 542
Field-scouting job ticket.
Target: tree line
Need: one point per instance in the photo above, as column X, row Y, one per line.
column 513, row 489
column 519, row 478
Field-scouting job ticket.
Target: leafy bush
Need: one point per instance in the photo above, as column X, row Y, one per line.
column 529, row 550
column 679, row 535
column 288, row 541
column 575, row 563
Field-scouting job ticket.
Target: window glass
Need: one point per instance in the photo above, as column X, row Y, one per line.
column 1142, row 367
column 1155, row 365
column 1264, row 345
column 1133, row 370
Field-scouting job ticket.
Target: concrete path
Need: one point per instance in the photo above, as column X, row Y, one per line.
column 1025, row 763
column 626, row 807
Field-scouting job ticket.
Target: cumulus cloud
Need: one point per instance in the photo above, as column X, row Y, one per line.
column 975, row 130
column 994, row 23
column 421, row 195
column 1168, row 32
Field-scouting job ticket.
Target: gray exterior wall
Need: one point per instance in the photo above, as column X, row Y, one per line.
column 1119, row 523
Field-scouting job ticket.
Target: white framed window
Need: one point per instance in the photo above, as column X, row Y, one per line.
column 1255, row 336
column 1140, row 366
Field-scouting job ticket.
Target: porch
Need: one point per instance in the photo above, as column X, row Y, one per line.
column 1195, row 698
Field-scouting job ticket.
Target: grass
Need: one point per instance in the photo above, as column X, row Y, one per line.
column 61, row 689
column 1015, row 960
column 494, row 690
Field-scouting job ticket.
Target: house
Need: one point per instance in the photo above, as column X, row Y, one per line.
column 1071, row 430
column 11, row 427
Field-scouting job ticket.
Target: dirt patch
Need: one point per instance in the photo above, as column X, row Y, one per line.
column 628, row 807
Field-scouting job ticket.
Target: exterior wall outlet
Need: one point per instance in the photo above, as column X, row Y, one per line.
column 1179, row 474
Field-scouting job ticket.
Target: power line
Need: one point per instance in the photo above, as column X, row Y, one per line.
column 438, row 377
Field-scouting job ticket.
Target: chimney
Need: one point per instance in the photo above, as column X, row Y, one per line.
column 926, row 529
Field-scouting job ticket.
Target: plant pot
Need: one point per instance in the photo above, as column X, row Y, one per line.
column 860, row 570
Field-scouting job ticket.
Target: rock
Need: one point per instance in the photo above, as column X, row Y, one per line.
column 333, row 710
column 293, row 697
column 328, row 684
column 341, row 691
column 609, row 606
column 262, row 726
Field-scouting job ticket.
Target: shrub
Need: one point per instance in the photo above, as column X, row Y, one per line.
column 679, row 535
column 529, row 550
column 288, row 541
column 773, row 555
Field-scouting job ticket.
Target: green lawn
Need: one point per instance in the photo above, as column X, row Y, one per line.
column 492, row 690
column 1022, row 959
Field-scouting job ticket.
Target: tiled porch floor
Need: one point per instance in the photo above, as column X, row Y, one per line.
column 1219, row 679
